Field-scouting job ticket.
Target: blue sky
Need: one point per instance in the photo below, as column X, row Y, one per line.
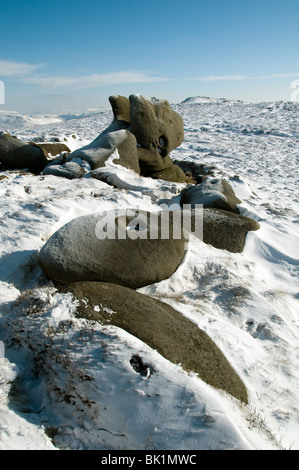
column 72, row 55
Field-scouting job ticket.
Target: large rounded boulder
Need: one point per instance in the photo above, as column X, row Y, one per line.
column 163, row 328
column 132, row 248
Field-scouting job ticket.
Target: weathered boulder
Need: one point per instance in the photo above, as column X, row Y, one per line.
column 143, row 132
column 19, row 154
column 158, row 130
column 120, row 108
column 69, row 170
column 213, row 192
column 161, row 327
column 223, row 229
column 132, row 248
column 99, row 150
column 114, row 137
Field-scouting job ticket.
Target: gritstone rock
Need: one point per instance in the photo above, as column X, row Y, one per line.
column 99, row 150
column 69, row 170
column 222, row 229
column 133, row 249
column 158, row 130
column 143, row 132
column 18, row 154
column 225, row 230
column 215, row 192
column 53, row 148
column 115, row 137
column 121, row 109
column 171, row 173
column 161, row 327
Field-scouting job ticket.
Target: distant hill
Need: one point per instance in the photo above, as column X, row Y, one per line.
column 207, row 99
column 15, row 120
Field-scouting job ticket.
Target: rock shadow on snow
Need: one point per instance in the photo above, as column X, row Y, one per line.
column 21, row 269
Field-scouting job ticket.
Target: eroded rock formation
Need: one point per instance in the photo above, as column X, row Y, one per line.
column 143, row 132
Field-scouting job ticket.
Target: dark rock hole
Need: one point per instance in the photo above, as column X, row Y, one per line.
column 140, row 367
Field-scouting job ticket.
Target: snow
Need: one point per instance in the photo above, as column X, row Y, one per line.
column 67, row 383
column 13, row 119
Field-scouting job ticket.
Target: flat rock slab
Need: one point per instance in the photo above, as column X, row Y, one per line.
column 53, row 148
column 161, row 327
column 226, row 230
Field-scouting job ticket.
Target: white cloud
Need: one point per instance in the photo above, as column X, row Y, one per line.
column 92, row 80
column 213, row 78
column 13, row 69
column 27, row 73
column 279, row 75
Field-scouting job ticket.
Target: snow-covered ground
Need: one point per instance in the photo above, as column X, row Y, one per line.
column 68, row 383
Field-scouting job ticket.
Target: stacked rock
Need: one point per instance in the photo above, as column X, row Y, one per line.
column 143, row 132
column 158, row 130
column 223, row 225
column 102, row 258
column 128, row 251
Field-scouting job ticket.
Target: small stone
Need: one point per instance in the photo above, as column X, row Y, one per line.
column 215, row 192
column 69, row 170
